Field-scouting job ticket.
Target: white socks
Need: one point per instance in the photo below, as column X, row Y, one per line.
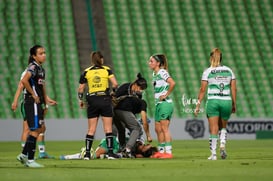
column 213, row 143
column 223, row 138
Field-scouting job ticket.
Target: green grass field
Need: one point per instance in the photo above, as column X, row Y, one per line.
column 247, row 160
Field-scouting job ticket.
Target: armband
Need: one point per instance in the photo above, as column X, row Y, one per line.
column 80, row 96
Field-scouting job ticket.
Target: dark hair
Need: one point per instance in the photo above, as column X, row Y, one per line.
column 96, row 58
column 150, row 152
column 162, row 59
column 33, row 51
column 159, row 58
column 141, row 82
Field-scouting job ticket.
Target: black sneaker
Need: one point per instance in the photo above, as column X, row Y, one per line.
column 127, row 154
column 112, row 156
column 86, row 156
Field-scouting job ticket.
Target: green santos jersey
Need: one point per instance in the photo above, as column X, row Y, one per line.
column 161, row 85
column 219, row 79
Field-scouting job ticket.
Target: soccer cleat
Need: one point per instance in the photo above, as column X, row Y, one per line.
column 223, row 153
column 157, row 155
column 45, row 155
column 127, row 154
column 22, row 158
column 212, row 157
column 112, row 156
column 87, row 156
column 166, row 156
column 83, row 152
column 33, row 164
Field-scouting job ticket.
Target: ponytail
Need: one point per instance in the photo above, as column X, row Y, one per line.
column 162, row 59
column 215, row 57
column 96, row 58
column 32, row 52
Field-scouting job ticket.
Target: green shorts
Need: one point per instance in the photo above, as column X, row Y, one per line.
column 219, row 108
column 163, row 111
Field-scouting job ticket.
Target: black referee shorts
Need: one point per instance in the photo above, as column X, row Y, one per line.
column 99, row 106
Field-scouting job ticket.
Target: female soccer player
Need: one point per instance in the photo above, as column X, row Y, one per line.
column 139, row 150
column 25, row 131
column 163, row 87
column 34, row 100
column 221, row 100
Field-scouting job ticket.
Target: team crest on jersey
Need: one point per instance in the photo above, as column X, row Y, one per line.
column 41, row 81
column 96, row 79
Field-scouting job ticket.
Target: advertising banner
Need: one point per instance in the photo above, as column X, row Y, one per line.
column 75, row 129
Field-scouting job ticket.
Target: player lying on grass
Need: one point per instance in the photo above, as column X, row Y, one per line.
column 140, row 150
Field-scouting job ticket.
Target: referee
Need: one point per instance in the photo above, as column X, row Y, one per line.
column 99, row 101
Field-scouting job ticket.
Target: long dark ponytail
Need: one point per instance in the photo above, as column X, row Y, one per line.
column 32, row 52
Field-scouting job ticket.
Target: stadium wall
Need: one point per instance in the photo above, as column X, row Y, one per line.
column 181, row 129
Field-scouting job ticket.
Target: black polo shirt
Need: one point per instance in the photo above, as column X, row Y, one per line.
column 133, row 104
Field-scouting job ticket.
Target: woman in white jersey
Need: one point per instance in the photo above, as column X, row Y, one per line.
column 163, row 86
column 221, row 100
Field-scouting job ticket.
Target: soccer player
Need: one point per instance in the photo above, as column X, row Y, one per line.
column 221, row 100
column 139, row 150
column 163, row 87
column 100, row 152
column 34, row 100
column 25, row 131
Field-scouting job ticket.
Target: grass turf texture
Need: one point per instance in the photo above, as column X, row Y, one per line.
column 247, row 160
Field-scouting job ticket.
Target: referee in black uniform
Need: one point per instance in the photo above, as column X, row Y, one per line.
column 99, row 101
